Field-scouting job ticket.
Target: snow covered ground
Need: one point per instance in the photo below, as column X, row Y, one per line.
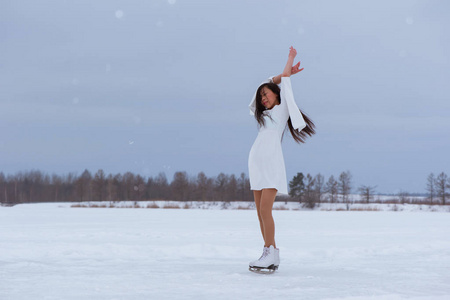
column 52, row 251
column 279, row 205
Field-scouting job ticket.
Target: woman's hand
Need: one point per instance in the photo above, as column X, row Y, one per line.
column 290, row 69
column 292, row 52
column 295, row 69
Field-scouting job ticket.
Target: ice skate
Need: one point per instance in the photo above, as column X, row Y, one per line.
column 277, row 257
column 252, row 263
column 267, row 263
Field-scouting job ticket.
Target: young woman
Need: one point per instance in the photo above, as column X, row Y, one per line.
column 274, row 108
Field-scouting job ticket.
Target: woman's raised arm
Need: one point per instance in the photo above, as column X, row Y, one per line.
column 289, row 69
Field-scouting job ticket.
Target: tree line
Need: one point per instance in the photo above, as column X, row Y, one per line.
column 312, row 190
column 36, row 186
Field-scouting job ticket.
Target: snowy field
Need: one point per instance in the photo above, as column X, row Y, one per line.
column 278, row 205
column 52, row 251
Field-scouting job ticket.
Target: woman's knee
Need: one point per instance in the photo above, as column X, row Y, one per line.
column 266, row 204
column 265, row 210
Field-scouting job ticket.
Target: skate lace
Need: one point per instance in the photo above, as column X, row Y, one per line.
column 264, row 254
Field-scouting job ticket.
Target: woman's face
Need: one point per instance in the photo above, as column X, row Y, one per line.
column 268, row 98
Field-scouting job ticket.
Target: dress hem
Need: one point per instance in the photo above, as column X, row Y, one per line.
column 278, row 191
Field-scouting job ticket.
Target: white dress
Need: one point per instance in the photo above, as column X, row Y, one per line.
column 265, row 161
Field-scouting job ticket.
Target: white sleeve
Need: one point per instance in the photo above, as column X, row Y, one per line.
column 252, row 105
column 287, row 95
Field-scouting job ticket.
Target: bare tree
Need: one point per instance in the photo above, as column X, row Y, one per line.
column 139, row 188
column 431, row 187
column 83, row 186
column 56, row 183
column 193, row 189
column 113, row 183
column 210, row 191
column 232, row 190
column 99, row 185
column 161, row 187
column 366, row 192
column 68, row 186
column 202, row 186
column 243, row 188
column 221, row 184
column 180, row 186
column 128, row 185
column 344, row 186
column 331, row 188
column 26, row 189
column 319, row 186
column 441, row 187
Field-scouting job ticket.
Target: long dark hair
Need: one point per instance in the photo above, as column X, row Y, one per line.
column 299, row 137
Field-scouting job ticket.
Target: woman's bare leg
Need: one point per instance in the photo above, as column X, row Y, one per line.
column 257, row 196
column 265, row 213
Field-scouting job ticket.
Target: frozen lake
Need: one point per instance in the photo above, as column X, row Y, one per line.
column 52, row 252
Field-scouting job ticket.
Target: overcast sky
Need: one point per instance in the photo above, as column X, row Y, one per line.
column 164, row 86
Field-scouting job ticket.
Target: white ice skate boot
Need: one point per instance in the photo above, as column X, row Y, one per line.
column 277, row 257
column 255, row 262
column 267, row 263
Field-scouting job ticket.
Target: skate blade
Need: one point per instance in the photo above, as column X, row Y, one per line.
column 269, row 270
